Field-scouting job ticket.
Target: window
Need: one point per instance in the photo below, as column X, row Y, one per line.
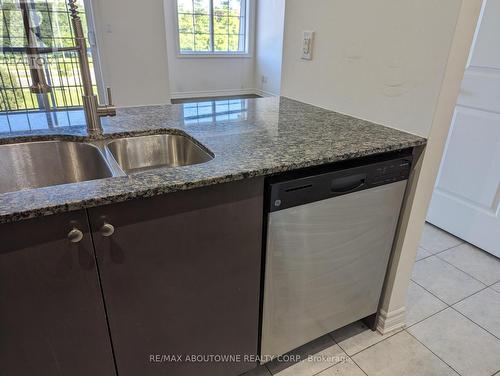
column 50, row 21
column 212, row 26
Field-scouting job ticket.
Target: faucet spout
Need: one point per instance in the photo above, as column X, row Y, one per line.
column 93, row 110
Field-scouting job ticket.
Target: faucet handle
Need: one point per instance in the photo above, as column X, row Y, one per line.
column 110, row 97
column 108, row 109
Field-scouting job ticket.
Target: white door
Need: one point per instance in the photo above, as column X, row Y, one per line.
column 466, row 200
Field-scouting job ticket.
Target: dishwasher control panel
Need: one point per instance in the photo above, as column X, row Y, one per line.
column 392, row 172
column 286, row 192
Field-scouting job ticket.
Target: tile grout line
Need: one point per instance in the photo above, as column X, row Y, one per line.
column 484, row 284
column 428, row 317
column 472, row 321
column 423, row 258
column 349, row 356
column 268, row 370
column 317, row 373
column 449, row 263
column 437, row 253
column 493, row 284
column 362, row 370
column 458, row 301
column 453, row 308
column 333, row 365
column 437, row 356
column 434, row 253
column 437, row 297
column 461, row 300
column 382, row 340
column 456, row 267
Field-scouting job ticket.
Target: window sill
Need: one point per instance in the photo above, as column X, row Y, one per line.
column 213, row 55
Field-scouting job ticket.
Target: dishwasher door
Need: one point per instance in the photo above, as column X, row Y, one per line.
column 325, row 264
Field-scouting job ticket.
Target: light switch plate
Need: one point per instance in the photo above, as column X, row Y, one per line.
column 307, row 45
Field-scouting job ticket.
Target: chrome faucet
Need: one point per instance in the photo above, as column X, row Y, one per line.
column 93, row 110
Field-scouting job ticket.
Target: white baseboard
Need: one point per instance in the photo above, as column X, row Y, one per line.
column 390, row 321
column 220, row 93
column 213, row 93
column 264, row 93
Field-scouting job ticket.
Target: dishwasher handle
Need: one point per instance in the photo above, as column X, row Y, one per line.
column 348, row 184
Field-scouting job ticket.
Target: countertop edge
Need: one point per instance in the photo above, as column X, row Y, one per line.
column 167, row 188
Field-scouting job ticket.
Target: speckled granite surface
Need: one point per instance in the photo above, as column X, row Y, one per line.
column 251, row 137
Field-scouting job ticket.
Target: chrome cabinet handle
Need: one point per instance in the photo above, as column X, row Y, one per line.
column 107, row 230
column 75, row 236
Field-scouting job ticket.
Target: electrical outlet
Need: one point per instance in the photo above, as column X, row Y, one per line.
column 307, row 45
column 263, row 79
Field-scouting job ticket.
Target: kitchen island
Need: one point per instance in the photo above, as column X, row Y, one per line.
column 149, row 273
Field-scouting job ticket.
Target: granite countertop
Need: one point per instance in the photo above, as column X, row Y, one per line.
column 249, row 137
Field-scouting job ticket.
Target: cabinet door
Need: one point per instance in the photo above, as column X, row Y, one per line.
column 181, row 276
column 52, row 319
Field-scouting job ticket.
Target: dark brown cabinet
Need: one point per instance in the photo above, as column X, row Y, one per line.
column 52, row 319
column 180, row 275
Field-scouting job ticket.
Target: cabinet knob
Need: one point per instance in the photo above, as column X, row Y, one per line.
column 107, row 230
column 75, row 236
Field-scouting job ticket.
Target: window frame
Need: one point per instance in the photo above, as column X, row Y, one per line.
column 249, row 27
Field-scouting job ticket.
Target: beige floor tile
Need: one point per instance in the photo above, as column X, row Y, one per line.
column 420, row 304
column 436, row 240
column 484, row 309
column 356, row 337
column 443, row 280
column 422, row 253
column 466, row 347
column 401, row 355
column 474, row 261
column 316, row 363
column 496, row 287
column 300, row 353
column 346, row 368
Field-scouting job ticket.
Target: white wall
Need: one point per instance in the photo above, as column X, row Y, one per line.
column 140, row 61
column 132, row 46
column 206, row 76
column 378, row 60
column 270, row 16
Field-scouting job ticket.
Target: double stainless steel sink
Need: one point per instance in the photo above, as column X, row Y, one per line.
column 48, row 163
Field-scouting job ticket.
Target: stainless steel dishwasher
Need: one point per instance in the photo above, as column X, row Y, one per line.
column 329, row 239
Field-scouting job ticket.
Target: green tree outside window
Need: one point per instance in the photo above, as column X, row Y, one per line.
column 217, row 26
